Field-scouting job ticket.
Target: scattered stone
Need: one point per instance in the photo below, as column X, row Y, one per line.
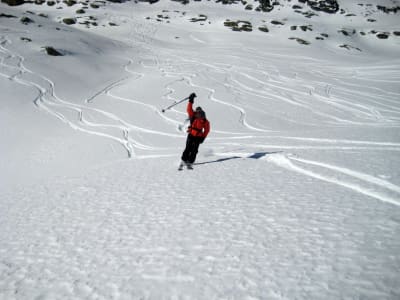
column 275, row 22
column 249, row 7
column 388, row 10
column 7, row 16
column 26, row 20
column 309, row 14
column 239, row 25
column 51, row 3
column 325, row 35
column 306, row 27
column 25, row 39
column 263, row 28
column 327, row 6
column 350, row 15
column 43, row 15
column 294, row 27
column 13, row 2
column 319, row 38
column 69, row 21
column 300, row 41
column 371, row 20
column 112, row 24
column 265, row 6
column 80, row 11
column 52, row 51
column 200, row 18
column 70, row 2
column 383, row 35
column 297, row 7
column 396, row 33
column 348, row 47
column 347, row 32
column 93, row 5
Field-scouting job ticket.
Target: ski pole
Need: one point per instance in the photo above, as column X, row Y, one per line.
column 172, row 105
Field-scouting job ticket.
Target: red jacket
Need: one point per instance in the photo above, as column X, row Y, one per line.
column 198, row 126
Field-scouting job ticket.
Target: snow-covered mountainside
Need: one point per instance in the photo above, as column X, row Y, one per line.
column 295, row 193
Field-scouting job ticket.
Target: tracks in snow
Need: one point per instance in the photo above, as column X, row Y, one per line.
column 359, row 182
column 255, row 89
column 112, row 126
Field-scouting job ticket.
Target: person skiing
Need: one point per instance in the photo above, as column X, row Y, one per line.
column 197, row 133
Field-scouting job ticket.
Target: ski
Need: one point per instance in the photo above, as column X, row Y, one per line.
column 189, row 166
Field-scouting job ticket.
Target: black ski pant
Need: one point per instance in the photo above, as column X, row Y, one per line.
column 192, row 147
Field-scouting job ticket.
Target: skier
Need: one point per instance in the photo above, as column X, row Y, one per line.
column 197, row 133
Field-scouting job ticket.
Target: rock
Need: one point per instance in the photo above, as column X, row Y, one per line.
column 309, row 14
column 239, row 25
column 275, row 22
column 80, row 11
column 300, row 41
column 26, row 20
column 383, row 35
column 6, row 16
column 388, row 10
column 265, row 6
column 249, row 7
column 52, row 51
column 69, row 21
column 263, row 28
column 25, row 39
column 347, row 32
column 70, row 2
column 348, row 47
column 13, row 2
column 396, row 33
column 200, row 18
column 306, row 27
column 327, row 6
column 294, row 27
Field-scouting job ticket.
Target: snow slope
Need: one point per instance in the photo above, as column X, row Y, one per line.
column 295, row 194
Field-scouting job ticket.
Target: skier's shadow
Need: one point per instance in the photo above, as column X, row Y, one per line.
column 256, row 155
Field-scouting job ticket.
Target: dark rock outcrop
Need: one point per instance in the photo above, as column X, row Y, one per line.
column 52, row 51
column 13, row 2
column 328, row 6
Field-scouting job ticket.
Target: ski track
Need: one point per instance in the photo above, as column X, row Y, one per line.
column 286, row 162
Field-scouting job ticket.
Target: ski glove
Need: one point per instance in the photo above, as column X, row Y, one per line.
column 191, row 97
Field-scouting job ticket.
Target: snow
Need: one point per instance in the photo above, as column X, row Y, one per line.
column 295, row 194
